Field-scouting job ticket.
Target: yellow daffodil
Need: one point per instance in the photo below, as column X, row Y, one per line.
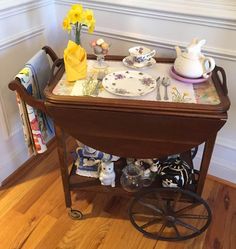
column 91, row 27
column 66, row 24
column 75, row 15
column 77, row 18
column 77, row 7
column 88, row 17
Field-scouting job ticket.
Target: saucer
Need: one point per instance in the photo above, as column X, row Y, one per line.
column 129, row 62
column 178, row 77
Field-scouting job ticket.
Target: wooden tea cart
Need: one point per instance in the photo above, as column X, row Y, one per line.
column 140, row 129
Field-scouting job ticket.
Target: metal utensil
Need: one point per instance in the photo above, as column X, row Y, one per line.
column 166, row 82
column 100, row 77
column 158, row 81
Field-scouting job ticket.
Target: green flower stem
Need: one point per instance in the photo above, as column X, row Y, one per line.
column 77, row 33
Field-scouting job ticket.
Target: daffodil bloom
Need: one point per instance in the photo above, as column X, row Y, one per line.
column 66, row 24
column 88, row 17
column 75, row 15
column 77, row 6
column 77, row 18
column 91, row 27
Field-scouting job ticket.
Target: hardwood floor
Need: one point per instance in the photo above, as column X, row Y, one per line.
column 33, row 215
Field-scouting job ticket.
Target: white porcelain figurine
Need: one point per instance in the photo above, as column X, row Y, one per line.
column 107, row 174
column 192, row 63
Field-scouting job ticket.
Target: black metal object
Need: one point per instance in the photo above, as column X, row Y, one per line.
column 170, row 214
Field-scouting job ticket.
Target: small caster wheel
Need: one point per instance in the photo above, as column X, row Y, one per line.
column 75, row 214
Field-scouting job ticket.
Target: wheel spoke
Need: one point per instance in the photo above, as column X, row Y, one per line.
column 160, row 200
column 146, row 215
column 150, row 206
column 176, row 199
column 161, row 230
column 176, row 230
column 151, row 222
column 186, row 225
column 192, row 206
column 193, row 216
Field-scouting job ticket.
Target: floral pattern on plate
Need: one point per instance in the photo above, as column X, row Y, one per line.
column 129, row 83
column 129, row 62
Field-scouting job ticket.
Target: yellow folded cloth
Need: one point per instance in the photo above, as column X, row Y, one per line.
column 75, row 59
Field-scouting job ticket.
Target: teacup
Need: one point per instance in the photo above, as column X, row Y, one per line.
column 141, row 54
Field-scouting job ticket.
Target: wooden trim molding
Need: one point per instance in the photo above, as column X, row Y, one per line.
column 11, row 7
column 220, row 14
column 155, row 41
column 20, row 37
column 30, row 163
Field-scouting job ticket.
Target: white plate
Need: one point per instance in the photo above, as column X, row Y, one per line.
column 129, row 83
column 129, row 62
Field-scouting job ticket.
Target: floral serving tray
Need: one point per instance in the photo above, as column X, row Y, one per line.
column 129, row 83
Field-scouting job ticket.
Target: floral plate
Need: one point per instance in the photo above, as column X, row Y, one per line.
column 129, row 83
column 129, row 62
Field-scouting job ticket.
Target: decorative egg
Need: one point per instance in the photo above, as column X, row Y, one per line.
column 97, row 50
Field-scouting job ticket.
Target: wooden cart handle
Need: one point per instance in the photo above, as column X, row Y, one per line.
column 224, row 83
column 58, row 63
column 15, row 85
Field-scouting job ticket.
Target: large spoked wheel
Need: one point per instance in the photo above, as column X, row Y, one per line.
column 169, row 214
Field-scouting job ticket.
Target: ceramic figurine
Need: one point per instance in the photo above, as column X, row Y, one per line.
column 89, row 152
column 192, row 63
column 107, row 174
column 175, row 172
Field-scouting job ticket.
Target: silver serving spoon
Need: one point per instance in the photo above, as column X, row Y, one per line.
column 166, row 82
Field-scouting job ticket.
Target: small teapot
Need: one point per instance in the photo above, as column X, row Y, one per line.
column 192, row 63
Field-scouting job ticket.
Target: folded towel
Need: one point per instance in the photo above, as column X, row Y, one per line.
column 75, row 59
column 40, row 68
column 33, row 134
column 38, row 128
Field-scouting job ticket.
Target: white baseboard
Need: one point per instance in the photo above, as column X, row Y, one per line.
column 223, row 162
column 14, row 157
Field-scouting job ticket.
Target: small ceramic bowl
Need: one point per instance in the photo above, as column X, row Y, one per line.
column 141, row 54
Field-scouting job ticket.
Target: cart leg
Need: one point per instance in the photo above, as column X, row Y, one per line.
column 206, row 157
column 61, row 148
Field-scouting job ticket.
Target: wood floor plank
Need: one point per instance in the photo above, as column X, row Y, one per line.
column 40, row 231
column 33, row 215
column 220, row 209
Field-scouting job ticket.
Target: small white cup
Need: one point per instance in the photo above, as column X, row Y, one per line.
column 141, row 54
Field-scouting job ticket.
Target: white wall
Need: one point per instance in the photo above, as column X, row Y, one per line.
column 25, row 26
column 155, row 23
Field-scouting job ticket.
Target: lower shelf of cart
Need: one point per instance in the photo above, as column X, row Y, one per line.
column 78, row 182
